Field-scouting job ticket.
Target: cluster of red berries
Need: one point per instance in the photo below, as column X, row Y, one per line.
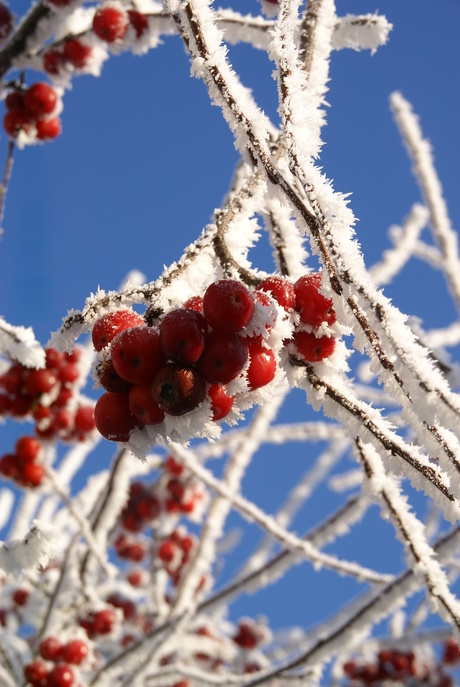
column 111, row 22
column 393, row 666
column 64, row 656
column 23, row 466
column 33, row 112
column 171, row 369
column 249, row 634
column 47, row 396
column 200, row 348
column 175, row 551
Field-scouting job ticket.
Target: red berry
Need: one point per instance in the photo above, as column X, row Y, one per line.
column 262, row 364
column 20, row 597
column 5, row 404
column 221, row 402
column 178, row 390
column 50, row 648
column 36, row 673
column 223, row 358
column 143, row 406
column 9, row 465
column 281, row 290
column 194, row 303
column 247, row 636
column 53, row 61
column 166, row 551
column 61, row 675
column 113, row 417
column 110, row 24
column 313, row 307
column 182, row 335
column 138, row 21
column 109, row 379
column 77, row 53
column 48, row 129
column 75, row 651
column 39, row 382
column 103, row 621
column 108, row 326
column 173, row 466
column 228, row 305
column 313, row 348
column 27, row 449
column 136, row 354
column 54, row 358
column 6, row 21
column 16, row 121
column 84, row 419
column 63, row 397
column 135, row 578
column 21, row 406
column 40, row 99
column 15, row 100
column 31, row 475
column 69, row 373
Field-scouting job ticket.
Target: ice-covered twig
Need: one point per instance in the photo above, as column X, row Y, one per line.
column 420, row 153
column 361, row 32
column 411, row 532
column 405, row 240
column 20, row 344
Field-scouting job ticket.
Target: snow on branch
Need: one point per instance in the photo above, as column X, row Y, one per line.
column 361, row 32
column 20, row 344
column 34, row 550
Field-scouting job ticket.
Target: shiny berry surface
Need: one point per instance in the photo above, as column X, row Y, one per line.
column 136, row 354
column 313, row 348
column 313, row 307
column 178, row 390
column 183, row 335
column 40, row 99
column 108, row 326
column 113, row 417
column 280, row 289
column 262, row 364
column 110, row 24
column 223, row 358
column 228, row 305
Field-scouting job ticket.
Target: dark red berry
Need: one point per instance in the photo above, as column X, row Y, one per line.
column 50, row 648
column 15, row 100
column 178, row 390
column 6, row 21
column 39, row 382
column 113, row 417
column 103, row 621
column 109, row 379
column 61, row 675
column 194, row 303
column 17, row 120
column 221, row 402
column 40, row 99
column 313, row 307
column 84, row 419
column 108, row 326
column 110, row 24
column 223, row 358
column 31, row 475
column 48, row 129
column 281, row 290
column 143, row 406
column 262, row 363
column 182, row 335
column 9, row 465
column 313, row 348
column 77, row 53
column 228, row 305
column 138, row 21
column 20, row 597
column 74, row 652
column 136, row 354
column 60, row 3
column 27, row 449
column 53, row 61
column 36, row 673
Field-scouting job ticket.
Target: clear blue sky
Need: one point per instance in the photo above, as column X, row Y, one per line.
column 144, row 160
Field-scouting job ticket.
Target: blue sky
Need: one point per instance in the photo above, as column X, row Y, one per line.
column 143, row 161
